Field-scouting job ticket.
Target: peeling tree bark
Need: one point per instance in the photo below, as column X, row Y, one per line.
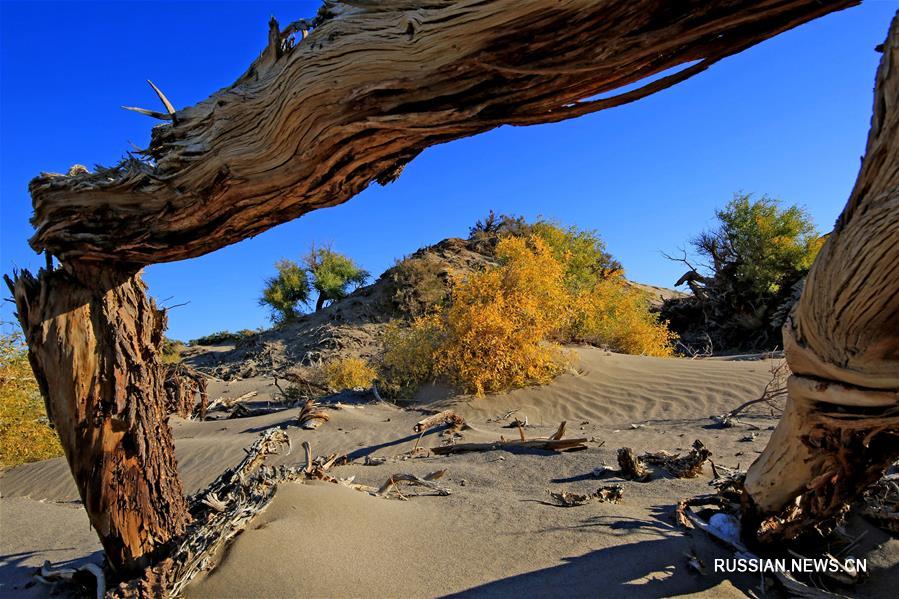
column 840, row 429
column 308, row 125
column 94, row 338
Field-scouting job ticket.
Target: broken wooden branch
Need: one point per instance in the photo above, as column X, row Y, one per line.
column 311, row 416
column 687, row 466
column 444, row 417
column 606, row 494
column 632, row 467
column 426, row 481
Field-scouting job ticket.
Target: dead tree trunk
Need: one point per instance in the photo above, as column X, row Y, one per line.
column 94, row 340
column 840, row 429
column 313, row 121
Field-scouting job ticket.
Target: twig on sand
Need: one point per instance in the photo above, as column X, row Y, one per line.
column 426, row 481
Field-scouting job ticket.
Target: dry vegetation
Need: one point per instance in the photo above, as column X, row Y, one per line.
column 25, row 434
column 348, row 373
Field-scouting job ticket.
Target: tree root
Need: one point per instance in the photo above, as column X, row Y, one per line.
column 688, row 466
column 553, row 443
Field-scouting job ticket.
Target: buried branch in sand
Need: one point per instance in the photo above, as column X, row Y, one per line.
column 311, row 416
column 553, row 443
column 606, row 494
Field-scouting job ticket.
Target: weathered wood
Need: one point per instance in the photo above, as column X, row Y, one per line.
column 554, row 443
column 185, row 391
column 312, row 124
column 311, row 416
column 444, row 417
column 94, row 342
column 840, row 427
column 631, row 466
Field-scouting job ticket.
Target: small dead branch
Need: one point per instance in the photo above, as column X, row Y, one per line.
column 444, row 417
column 311, row 416
column 775, row 388
column 427, row 482
column 631, row 466
column 688, row 466
column 606, row 494
column 229, row 402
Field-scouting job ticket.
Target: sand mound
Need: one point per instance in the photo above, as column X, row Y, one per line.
column 497, row 534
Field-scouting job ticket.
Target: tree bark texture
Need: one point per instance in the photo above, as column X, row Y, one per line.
column 94, row 339
column 312, row 123
column 840, row 430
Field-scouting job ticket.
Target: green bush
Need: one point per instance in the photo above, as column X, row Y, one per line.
column 221, row 337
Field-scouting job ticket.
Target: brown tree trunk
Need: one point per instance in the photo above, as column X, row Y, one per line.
column 94, row 339
column 320, row 303
column 840, row 429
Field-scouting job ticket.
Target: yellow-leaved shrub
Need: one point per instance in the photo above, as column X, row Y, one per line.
column 348, row 373
column 499, row 324
column 25, row 434
column 614, row 315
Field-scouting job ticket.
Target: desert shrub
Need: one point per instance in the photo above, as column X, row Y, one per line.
column 615, row 315
column 409, row 354
column 498, row 326
column 582, row 253
column 25, row 433
column 755, row 260
column 220, row 337
column 171, row 351
column 285, row 293
column 419, row 286
column 348, row 373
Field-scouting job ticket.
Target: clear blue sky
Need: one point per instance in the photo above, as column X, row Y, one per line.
column 788, row 118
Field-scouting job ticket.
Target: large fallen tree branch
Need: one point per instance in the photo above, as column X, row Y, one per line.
column 312, row 124
column 553, row 443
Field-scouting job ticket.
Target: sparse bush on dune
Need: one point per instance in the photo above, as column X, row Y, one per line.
column 25, row 433
column 419, row 286
column 408, row 359
column 348, row 373
column 221, row 337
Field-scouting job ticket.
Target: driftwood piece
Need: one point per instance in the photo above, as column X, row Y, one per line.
column 185, row 391
column 631, row 466
column 229, row 402
column 444, row 417
column 687, row 466
column 311, row 416
column 549, row 444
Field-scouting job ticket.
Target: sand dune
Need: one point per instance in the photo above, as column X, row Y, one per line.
column 495, row 535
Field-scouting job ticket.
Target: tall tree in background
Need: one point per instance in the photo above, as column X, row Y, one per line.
column 756, row 259
column 333, row 275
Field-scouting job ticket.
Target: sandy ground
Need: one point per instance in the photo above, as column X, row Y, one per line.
column 497, row 534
